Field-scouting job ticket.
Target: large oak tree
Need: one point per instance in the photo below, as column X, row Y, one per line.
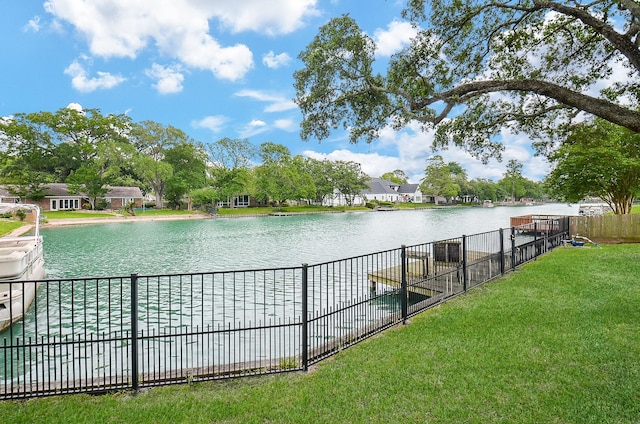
column 526, row 65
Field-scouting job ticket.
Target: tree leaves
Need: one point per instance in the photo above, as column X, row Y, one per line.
column 527, row 65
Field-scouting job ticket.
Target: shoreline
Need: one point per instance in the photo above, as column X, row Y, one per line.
column 65, row 222
column 125, row 218
column 103, row 220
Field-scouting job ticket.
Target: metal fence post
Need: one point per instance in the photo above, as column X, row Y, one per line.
column 464, row 263
column 513, row 248
column 501, row 251
column 134, row 332
column 535, row 241
column 404, row 295
column 305, row 317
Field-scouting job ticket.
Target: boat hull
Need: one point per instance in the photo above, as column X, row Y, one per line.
column 21, row 265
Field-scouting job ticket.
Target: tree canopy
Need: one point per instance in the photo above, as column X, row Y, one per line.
column 92, row 152
column 513, row 181
column 525, row 65
column 600, row 160
column 439, row 180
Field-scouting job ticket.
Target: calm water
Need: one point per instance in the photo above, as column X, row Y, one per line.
column 91, row 311
column 167, row 247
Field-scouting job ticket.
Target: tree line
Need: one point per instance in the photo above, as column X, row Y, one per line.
column 449, row 180
column 90, row 151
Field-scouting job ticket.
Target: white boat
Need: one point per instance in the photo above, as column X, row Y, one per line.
column 594, row 209
column 21, row 264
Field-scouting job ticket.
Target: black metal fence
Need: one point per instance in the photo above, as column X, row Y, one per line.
column 91, row 335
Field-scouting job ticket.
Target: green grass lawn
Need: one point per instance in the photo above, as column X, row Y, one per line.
column 557, row 341
column 76, row 214
column 95, row 214
column 6, row 226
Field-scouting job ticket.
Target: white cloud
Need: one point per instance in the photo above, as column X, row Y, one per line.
column 33, row 24
column 394, row 38
column 169, row 78
column 179, row 28
column 275, row 17
column 254, row 127
column 286, row 125
column 75, row 106
column 373, row 164
column 409, row 149
column 213, row 123
column 274, row 61
column 277, row 103
column 81, row 81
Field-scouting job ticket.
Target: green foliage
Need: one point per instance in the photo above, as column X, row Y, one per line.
column 542, row 57
column 87, row 180
column 483, row 189
column 600, row 160
column 513, row 181
column 281, row 177
column 21, row 214
column 232, row 154
column 289, row 363
column 189, row 171
column 348, row 179
column 340, row 54
column 438, row 180
column 398, row 176
column 205, row 197
column 231, row 175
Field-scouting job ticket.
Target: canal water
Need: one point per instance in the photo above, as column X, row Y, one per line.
column 189, row 246
column 74, row 313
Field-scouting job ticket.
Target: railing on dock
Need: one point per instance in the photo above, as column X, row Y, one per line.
column 92, row 335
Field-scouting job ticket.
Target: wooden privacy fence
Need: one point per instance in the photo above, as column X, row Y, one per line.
column 607, row 228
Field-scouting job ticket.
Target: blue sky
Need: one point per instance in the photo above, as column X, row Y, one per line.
column 213, row 68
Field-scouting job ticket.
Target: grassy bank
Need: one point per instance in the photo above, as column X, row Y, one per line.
column 557, row 341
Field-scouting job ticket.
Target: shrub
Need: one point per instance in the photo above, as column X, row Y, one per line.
column 21, row 214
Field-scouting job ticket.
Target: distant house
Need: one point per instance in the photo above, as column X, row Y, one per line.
column 118, row 197
column 382, row 191
column 430, row 198
column 6, row 197
column 410, row 193
column 241, row 201
column 388, row 191
column 57, row 197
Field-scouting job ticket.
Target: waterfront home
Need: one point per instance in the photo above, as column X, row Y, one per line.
column 388, row 191
column 380, row 190
column 57, row 197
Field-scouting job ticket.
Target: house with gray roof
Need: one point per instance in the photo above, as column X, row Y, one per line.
column 382, row 191
column 57, row 197
column 388, row 191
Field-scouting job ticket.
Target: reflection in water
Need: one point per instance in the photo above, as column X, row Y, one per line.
column 169, row 247
column 216, row 245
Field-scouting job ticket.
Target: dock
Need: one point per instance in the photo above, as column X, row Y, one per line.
column 432, row 278
column 421, row 277
column 541, row 224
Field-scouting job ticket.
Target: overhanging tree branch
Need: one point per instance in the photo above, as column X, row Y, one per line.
column 604, row 109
